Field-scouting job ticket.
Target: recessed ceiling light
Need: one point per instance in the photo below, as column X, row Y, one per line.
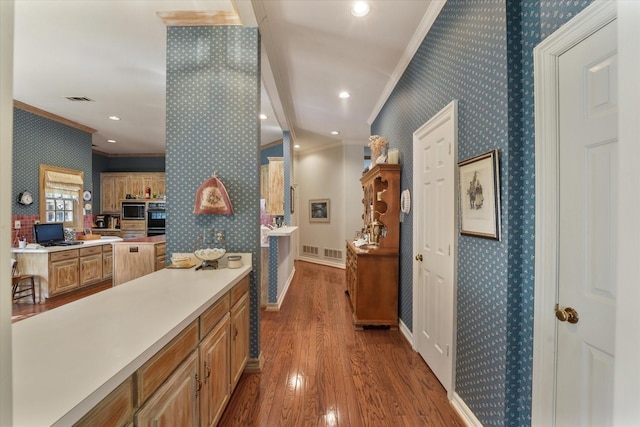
column 114, row 118
column 344, row 94
column 360, row 9
column 263, row 117
column 113, row 141
column 296, row 146
column 335, row 132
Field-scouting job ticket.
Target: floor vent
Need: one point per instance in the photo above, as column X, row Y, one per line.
column 333, row 253
column 310, row 250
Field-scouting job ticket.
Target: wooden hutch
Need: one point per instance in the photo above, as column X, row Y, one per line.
column 372, row 270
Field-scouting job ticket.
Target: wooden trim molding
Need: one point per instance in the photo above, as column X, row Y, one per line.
column 205, row 18
column 102, row 153
column 254, row 365
column 51, row 116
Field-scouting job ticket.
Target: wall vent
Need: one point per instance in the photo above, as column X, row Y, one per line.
column 79, row 99
column 333, row 253
column 310, row 250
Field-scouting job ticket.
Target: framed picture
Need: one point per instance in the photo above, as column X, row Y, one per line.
column 87, row 231
column 319, row 210
column 480, row 196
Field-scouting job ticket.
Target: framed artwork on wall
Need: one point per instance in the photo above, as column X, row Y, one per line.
column 480, row 195
column 320, row 210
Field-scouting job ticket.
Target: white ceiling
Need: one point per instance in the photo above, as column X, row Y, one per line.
column 113, row 52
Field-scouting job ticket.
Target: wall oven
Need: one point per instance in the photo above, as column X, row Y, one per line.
column 133, row 210
column 156, row 218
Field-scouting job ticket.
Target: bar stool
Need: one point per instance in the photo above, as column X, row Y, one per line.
column 22, row 285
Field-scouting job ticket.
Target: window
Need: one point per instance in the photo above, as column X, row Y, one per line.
column 61, row 196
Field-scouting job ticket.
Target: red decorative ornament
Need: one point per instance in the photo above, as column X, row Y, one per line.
column 212, row 198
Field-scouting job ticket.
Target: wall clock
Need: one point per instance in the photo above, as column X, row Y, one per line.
column 86, row 196
column 25, row 198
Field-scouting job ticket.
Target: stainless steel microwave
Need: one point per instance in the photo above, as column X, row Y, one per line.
column 133, row 210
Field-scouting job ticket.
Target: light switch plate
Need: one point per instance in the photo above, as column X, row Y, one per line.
column 16, row 225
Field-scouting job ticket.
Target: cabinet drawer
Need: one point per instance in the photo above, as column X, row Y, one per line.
column 161, row 249
column 239, row 290
column 107, row 248
column 114, row 410
column 133, row 224
column 63, row 255
column 153, row 373
column 95, row 250
column 212, row 316
column 161, row 262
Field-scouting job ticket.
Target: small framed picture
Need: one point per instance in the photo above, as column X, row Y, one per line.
column 320, row 210
column 480, row 196
column 87, row 231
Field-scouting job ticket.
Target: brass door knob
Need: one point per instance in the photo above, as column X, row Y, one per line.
column 567, row 315
column 419, row 257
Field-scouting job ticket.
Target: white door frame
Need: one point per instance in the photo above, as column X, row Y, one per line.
column 546, row 54
column 450, row 109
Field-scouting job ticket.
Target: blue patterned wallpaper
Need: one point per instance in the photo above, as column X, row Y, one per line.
column 213, row 102
column 481, row 53
column 38, row 140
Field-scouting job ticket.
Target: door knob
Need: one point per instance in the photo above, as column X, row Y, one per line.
column 567, row 315
column 419, row 257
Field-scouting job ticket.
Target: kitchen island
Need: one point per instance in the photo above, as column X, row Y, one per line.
column 134, row 258
column 68, row 360
column 61, row 269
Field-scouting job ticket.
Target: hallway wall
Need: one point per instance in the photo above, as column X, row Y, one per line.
column 481, row 54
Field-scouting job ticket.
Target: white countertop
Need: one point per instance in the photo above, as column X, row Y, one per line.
column 282, row 231
column 104, row 240
column 68, row 359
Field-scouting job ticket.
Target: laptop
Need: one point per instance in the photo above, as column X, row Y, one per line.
column 52, row 234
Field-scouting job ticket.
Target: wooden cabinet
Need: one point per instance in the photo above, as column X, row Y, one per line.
column 107, row 262
column 90, row 265
column 209, row 364
column 372, row 284
column 114, row 410
column 114, row 186
column 133, row 229
column 176, row 402
column 136, row 258
column 214, row 366
column 275, row 191
column 239, row 329
column 69, row 269
column 63, row 272
column 372, row 270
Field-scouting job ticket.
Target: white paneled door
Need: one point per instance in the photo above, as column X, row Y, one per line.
column 586, row 301
column 434, row 154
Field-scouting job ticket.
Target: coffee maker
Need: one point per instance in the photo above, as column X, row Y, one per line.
column 102, row 221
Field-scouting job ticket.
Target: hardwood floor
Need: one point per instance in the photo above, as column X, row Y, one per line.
column 319, row 371
column 24, row 309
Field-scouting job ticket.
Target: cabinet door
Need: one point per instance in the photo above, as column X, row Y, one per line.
column 136, row 185
column 107, row 265
column 239, row 338
column 108, row 198
column 275, row 201
column 121, row 183
column 214, row 368
column 63, row 276
column 176, row 401
column 90, row 269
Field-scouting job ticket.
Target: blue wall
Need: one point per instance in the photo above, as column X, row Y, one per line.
column 38, row 140
column 213, row 102
column 273, row 151
column 481, row 53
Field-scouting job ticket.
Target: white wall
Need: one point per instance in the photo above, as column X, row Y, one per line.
column 6, row 144
column 333, row 173
column 353, row 209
